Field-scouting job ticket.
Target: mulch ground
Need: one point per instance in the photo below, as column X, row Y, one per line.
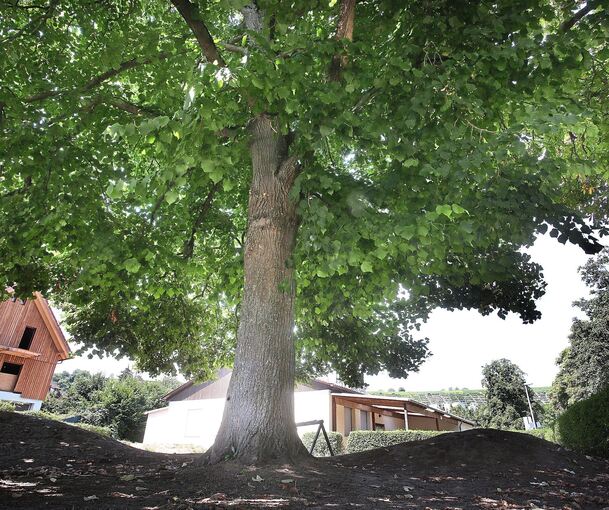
column 46, row 464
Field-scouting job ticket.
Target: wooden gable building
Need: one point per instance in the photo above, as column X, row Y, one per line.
column 31, row 345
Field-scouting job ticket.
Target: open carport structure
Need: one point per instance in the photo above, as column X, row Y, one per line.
column 375, row 412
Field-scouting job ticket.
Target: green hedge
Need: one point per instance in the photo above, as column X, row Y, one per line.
column 584, row 426
column 321, row 448
column 361, row 440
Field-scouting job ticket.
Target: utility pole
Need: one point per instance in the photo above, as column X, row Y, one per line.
column 526, row 389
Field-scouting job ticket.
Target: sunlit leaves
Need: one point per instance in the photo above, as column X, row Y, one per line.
column 454, row 136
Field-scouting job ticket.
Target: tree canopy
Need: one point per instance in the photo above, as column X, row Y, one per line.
column 584, row 365
column 433, row 141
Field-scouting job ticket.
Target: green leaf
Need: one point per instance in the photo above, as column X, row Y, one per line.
column 457, row 209
column 132, row 265
column 366, row 267
column 446, row 210
column 325, row 130
column 216, row 175
column 171, row 196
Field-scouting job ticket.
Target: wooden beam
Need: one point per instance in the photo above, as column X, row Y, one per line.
column 413, row 407
column 365, row 407
column 333, row 424
column 16, row 351
column 51, row 323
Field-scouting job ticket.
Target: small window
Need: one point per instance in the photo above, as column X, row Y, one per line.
column 10, row 368
column 27, row 337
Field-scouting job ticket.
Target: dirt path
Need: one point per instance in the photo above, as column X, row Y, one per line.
column 45, row 464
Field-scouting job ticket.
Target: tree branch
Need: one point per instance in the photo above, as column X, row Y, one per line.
column 234, row 48
column 129, row 107
column 190, row 13
column 35, row 24
column 189, row 245
column 570, row 23
column 344, row 30
column 101, row 78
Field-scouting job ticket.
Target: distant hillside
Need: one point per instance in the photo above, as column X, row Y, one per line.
column 445, row 399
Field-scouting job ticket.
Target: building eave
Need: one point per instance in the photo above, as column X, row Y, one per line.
column 389, row 399
column 59, row 340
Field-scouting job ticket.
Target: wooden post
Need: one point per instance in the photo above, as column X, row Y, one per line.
column 333, row 424
column 405, row 417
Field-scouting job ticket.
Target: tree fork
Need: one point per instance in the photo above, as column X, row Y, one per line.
column 258, row 421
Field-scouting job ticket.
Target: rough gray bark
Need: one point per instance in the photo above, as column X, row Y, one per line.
column 258, row 422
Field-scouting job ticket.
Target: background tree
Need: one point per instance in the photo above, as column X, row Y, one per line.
column 118, row 403
column 584, row 365
column 75, row 393
column 467, row 412
column 337, row 169
column 506, row 401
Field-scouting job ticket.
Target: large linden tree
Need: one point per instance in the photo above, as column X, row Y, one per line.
column 292, row 184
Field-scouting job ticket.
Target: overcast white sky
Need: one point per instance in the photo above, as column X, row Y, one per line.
column 462, row 342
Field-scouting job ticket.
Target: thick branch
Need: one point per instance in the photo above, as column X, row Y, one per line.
column 570, row 23
column 190, row 13
column 344, row 30
column 35, row 24
column 189, row 245
column 101, row 78
column 234, row 48
column 129, row 107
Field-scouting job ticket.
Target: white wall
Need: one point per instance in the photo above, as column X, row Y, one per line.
column 313, row 405
column 197, row 421
column 17, row 398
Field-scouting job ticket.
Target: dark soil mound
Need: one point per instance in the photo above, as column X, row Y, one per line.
column 45, row 464
column 487, row 449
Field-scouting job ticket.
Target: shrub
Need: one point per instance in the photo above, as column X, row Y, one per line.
column 547, row 433
column 102, row 431
column 584, row 426
column 45, row 415
column 361, row 440
column 6, row 406
column 321, row 448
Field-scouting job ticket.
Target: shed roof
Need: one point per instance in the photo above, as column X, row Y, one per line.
column 189, row 387
column 398, row 404
column 50, row 321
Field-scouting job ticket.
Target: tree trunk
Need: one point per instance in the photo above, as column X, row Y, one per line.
column 258, row 422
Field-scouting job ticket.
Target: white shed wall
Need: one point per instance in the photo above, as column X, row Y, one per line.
column 197, row 421
column 17, row 398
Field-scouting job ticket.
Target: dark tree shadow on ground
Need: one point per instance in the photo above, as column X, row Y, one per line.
column 46, row 464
